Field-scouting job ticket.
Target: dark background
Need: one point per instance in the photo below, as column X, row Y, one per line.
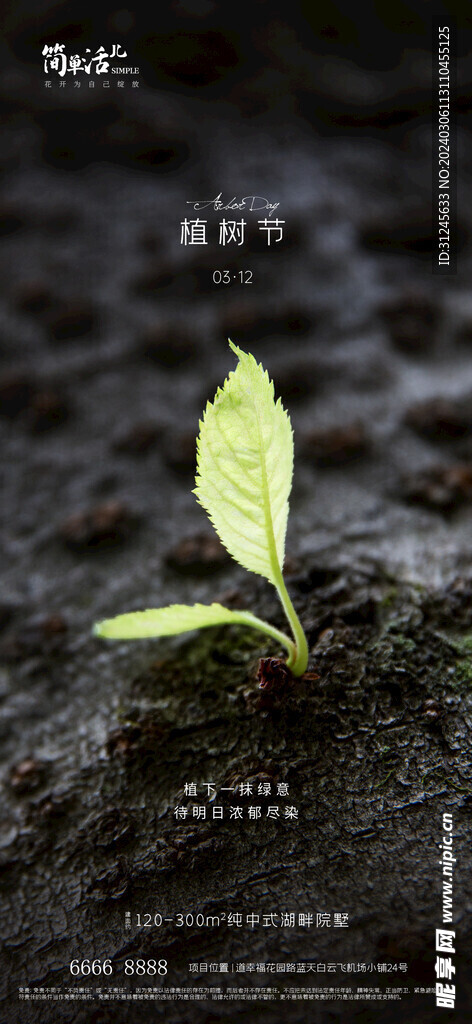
column 113, row 336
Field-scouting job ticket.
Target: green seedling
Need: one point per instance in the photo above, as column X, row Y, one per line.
column 243, row 481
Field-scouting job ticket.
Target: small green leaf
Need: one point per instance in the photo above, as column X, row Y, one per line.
column 244, row 479
column 244, row 468
column 181, row 618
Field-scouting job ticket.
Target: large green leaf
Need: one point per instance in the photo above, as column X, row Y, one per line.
column 244, row 468
column 180, row 618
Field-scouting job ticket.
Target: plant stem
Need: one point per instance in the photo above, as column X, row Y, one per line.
column 298, row 658
column 249, row 619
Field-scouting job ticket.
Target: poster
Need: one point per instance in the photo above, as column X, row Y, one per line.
column 186, row 834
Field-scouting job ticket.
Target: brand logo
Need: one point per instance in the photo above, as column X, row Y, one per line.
column 59, row 65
